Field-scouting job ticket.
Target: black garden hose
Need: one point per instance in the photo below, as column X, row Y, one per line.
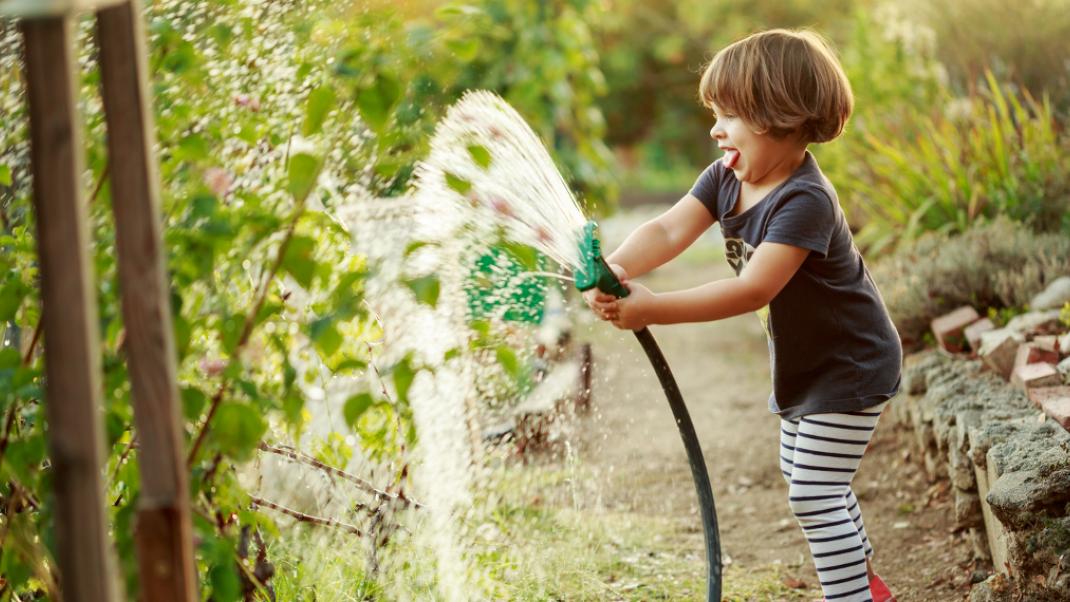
column 594, row 272
column 694, row 458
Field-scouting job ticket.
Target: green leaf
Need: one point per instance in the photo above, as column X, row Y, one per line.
column 425, row 288
column 466, row 49
column 298, row 261
column 5, row 175
column 412, row 247
column 507, row 358
column 480, row 155
column 302, row 173
column 193, row 402
column 458, row 183
column 376, row 101
column 403, row 375
column 320, row 102
column 325, row 336
column 292, row 407
column 356, row 406
column 11, row 296
column 526, row 256
column 9, row 358
column 237, row 429
column 24, row 456
column 230, row 332
column 349, row 365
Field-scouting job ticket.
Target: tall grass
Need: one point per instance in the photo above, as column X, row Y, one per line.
column 998, row 153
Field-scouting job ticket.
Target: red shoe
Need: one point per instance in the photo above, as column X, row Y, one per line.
column 879, row 590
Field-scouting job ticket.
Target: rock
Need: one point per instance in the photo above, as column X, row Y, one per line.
column 968, row 510
column 994, row 589
column 1054, row 296
column 949, row 328
column 1055, row 401
column 979, row 542
column 1019, row 498
column 1036, row 322
column 974, row 331
column 960, row 469
column 1036, row 375
column 999, row 349
column 1064, row 344
column 1064, row 369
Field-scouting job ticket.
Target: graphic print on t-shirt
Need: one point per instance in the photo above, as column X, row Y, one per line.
column 738, row 252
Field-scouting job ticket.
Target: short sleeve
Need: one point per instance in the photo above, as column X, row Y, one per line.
column 805, row 218
column 707, row 186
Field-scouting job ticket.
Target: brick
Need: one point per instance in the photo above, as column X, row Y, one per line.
column 974, row 331
column 1047, row 342
column 1036, row 375
column 998, row 350
column 1038, row 395
column 1030, row 353
column 1055, row 401
column 949, row 328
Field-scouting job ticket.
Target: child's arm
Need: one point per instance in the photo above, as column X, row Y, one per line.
column 769, row 269
column 662, row 238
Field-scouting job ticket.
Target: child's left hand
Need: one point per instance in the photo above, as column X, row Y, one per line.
column 633, row 311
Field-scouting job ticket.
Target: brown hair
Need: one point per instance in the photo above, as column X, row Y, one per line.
column 781, row 82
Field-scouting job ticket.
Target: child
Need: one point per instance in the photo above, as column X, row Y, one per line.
column 835, row 354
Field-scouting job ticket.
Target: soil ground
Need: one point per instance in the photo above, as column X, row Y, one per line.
column 638, row 466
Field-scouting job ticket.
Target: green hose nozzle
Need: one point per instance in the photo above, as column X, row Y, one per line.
column 594, row 271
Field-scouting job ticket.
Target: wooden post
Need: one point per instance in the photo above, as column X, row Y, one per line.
column 72, row 360
column 164, row 540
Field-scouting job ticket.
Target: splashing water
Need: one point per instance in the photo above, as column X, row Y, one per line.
column 485, row 155
column 487, row 176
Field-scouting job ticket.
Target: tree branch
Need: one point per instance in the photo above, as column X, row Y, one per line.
column 365, row 485
column 307, row 518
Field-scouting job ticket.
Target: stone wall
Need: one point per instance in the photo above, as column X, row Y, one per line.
column 1009, row 467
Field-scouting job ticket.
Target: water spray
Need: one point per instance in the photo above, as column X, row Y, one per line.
column 487, row 160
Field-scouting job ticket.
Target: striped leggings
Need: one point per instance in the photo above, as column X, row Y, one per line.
column 819, row 455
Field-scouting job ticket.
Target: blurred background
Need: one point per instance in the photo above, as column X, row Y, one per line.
column 960, row 111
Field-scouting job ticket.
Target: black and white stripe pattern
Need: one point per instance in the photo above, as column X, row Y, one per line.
column 819, row 455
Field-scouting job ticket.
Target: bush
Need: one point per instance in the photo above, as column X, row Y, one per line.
column 994, row 154
column 996, row 264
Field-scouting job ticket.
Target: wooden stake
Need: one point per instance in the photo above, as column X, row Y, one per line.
column 164, row 539
column 72, row 360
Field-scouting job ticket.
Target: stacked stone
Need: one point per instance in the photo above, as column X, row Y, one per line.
column 1008, row 464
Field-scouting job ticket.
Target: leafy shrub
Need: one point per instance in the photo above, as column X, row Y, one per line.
column 999, row 263
column 994, row 154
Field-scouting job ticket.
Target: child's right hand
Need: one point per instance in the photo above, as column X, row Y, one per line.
column 604, row 305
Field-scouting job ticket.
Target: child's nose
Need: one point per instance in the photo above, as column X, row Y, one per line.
column 714, row 132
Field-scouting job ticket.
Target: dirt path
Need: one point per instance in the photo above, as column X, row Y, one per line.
column 722, row 368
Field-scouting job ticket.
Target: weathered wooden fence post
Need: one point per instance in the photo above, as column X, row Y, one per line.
column 72, row 360
column 164, row 540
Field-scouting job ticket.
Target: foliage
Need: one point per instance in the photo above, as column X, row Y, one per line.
column 996, row 264
column 1024, row 43
column 652, row 55
column 994, row 155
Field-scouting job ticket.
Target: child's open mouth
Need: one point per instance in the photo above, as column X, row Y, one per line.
column 731, row 157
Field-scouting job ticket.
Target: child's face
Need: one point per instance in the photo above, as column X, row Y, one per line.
column 752, row 156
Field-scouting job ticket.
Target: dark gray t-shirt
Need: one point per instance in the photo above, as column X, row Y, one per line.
column 832, row 346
